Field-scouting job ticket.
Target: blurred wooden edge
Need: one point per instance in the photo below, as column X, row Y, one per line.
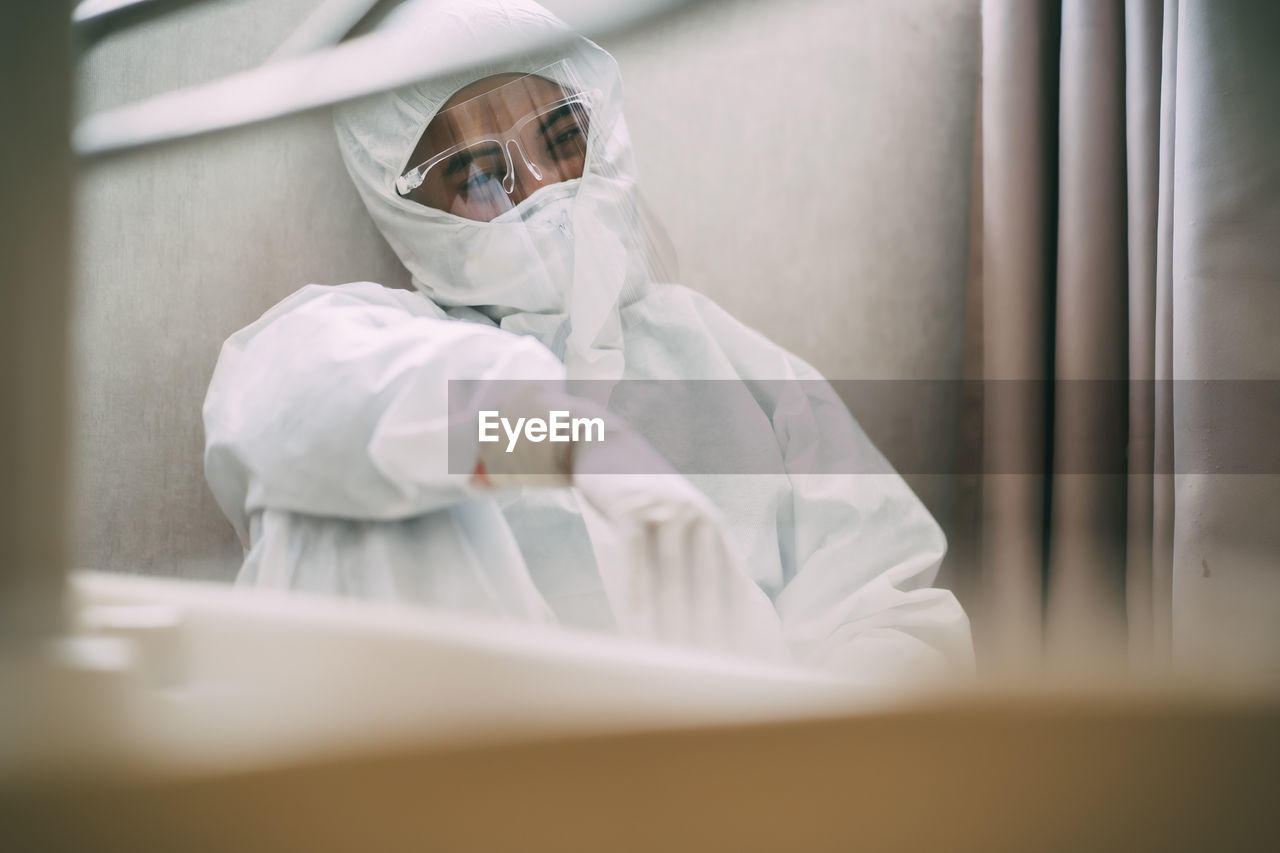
column 977, row 773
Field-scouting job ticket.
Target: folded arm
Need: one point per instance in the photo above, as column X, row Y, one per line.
column 336, row 403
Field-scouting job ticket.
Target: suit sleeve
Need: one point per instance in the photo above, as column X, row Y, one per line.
column 336, row 402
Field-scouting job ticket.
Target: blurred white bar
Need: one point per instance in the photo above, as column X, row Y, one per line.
column 176, row 676
column 94, row 20
column 362, row 66
column 327, row 25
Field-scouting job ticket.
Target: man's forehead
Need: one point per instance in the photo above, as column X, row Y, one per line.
column 500, row 98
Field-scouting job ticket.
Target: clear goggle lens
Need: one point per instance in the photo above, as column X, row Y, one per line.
column 486, row 154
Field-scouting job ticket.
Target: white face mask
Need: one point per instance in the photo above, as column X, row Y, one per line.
column 523, row 259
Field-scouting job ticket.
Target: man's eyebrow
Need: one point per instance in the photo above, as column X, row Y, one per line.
column 554, row 116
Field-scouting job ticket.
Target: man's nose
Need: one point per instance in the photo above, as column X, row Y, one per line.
column 524, row 181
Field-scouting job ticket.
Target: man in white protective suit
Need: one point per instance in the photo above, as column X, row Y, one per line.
column 754, row 518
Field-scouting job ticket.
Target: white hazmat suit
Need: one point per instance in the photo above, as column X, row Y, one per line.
column 327, row 420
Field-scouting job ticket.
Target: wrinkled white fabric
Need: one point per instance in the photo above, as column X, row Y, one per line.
column 327, row 414
column 673, row 576
column 326, row 434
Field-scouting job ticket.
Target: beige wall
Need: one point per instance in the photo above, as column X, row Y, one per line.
column 178, row 248
column 810, row 160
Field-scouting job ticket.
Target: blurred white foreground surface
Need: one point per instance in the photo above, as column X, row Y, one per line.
column 175, row 676
column 194, row 718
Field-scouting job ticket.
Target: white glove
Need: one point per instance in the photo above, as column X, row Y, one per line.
column 681, row 581
column 684, row 584
column 503, row 464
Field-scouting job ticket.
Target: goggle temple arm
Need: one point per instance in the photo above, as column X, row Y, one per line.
column 410, row 181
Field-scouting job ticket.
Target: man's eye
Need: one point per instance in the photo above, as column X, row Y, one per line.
column 565, row 143
column 480, row 174
column 478, row 180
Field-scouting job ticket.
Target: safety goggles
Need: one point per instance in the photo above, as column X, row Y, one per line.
column 487, row 153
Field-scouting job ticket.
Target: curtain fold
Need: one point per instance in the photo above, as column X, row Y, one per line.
column 1224, row 346
column 1089, row 329
column 1162, row 507
column 1144, row 72
column 1018, row 141
column 1123, row 281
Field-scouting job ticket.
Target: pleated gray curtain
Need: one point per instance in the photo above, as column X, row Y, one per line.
column 1124, row 283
